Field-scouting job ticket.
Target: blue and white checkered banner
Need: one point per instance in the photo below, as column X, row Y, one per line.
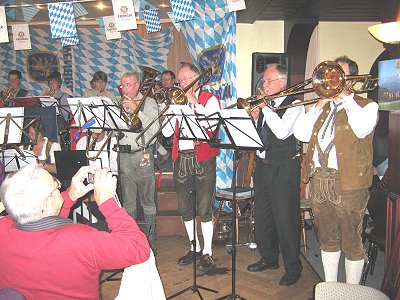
column 183, row 10
column 142, row 6
column 176, row 24
column 211, row 39
column 151, row 52
column 28, row 11
column 62, row 20
column 70, row 41
column 77, row 64
column 10, row 12
column 152, row 20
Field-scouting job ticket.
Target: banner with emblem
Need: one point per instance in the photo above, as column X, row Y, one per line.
column 211, row 40
column 3, row 26
column 109, row 27
column 78, row 63
column 21, row 37
column 124, row 13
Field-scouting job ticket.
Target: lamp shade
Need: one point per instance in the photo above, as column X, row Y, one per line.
column 388, row 33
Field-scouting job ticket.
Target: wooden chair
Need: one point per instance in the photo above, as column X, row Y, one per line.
column 244, row 173
column 305, row 206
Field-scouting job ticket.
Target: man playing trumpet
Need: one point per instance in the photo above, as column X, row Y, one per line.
column 14, row 89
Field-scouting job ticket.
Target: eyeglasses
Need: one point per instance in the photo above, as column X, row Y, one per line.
column 128, row 85
column 184, row 79
column 269, row 81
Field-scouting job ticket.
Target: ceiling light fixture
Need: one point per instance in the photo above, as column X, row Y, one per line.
column 101, row 6
column 388, row 33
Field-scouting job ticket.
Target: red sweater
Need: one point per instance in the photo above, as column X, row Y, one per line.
column 65, row 262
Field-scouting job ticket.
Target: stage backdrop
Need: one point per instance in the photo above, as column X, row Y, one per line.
column 211, row 39
column 77, row 64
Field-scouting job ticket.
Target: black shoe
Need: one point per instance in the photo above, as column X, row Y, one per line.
column 188, row 258
column 205, row 264
column 262, row 265
column 289, row 279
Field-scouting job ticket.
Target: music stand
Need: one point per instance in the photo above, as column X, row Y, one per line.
column 12, row 131
column 13, row 160
column 190, row 129
column 103, row 114
column 242, row 135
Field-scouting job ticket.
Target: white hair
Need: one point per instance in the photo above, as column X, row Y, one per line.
column 24, row 193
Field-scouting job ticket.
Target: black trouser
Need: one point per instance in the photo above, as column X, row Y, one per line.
column 277, row 212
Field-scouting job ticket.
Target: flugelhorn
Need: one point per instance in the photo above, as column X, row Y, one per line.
column 328, row 81
column 8, row 95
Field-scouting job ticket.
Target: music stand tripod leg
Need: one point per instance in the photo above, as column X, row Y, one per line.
column 233, row 295
column 195, row 287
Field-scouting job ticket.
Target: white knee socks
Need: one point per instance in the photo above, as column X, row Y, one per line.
column 207, row 229
column 189, row 230
column 330, row 262
column 354, row 270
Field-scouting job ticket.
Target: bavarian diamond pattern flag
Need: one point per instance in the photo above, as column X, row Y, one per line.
column 183, row 10
column 70, row 41
column 62, row 20
column 152, row 20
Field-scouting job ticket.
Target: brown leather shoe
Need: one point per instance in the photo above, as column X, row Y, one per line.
column 188, row 258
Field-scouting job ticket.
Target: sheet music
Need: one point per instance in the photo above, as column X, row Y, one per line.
column 190, row 126
column 96, row 113
column 14, row 134
column 13, row 161
column 241, row 127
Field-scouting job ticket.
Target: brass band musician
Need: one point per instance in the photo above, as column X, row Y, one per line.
column 277, row 181
column 14, row 89
column 338, row 165
column 99, row 83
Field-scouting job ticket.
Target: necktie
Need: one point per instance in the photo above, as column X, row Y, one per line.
column 331, row 119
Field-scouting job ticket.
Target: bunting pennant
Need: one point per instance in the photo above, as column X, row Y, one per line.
column 183, row 10
column 10, row 11
column 62, row 20
column 100, row 21
column 176, row 24
column 79, row 10
column 152, row 20
column 124, row 14
column 29, row 12
column 143, row 5
column 3, row 26
column 21, row 37
column 211, row 40
column 70, row 41
column 109, row 27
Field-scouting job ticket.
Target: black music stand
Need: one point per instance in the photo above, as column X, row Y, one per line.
column 193, row 131
column 12, row 132
column 99, row 113
column 242, row 135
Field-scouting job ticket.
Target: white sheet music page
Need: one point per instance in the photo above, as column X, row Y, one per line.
column 15, row 125
column 241, row 127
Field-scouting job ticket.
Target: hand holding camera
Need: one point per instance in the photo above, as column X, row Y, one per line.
column 105, row 185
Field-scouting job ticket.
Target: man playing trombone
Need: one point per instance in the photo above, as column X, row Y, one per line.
column 194, row 169
column 136, row 166
column 277, row 180
column 338, row 164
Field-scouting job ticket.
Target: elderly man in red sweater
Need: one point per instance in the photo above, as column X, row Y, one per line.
column 46, row 256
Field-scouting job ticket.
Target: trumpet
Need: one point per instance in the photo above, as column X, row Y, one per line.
column 328, row 81
column 8, row 95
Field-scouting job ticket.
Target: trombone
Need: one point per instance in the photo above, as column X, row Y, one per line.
column 176, row 96
column 96, row 156
column 328, row 81
column 132, row 119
